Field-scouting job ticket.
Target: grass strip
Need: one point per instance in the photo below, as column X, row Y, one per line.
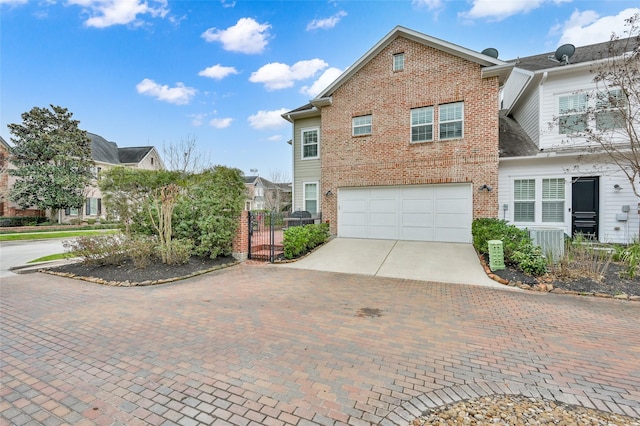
column 49, row 235
column 58, row 256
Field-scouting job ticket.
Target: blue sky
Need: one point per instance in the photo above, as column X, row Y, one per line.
column 155, row 72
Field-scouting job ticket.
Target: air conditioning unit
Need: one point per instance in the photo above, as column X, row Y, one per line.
column 550, row 240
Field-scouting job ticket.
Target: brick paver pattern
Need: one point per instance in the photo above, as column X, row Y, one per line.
column 264, row 345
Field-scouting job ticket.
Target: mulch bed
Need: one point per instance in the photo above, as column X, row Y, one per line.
column 127, row 274
column 613, row 283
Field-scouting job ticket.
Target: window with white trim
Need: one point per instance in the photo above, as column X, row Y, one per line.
column 311, row 197
column 609, row 110
column 422, row 124
column 398, row 62
column 451, row 119
column 553, row 200
column 310, row 143
column 524, row 200
column 572, row 113
column 361, row 125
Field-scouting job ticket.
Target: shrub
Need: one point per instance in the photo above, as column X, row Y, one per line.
column 630, row 257
column 516, row 244
column 98, row 250
column 142, row 250
column 11, row 221
column 300, row 239
column 181, row 250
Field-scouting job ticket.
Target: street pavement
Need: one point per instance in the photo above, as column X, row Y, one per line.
column 15, row 253
column 266, row 345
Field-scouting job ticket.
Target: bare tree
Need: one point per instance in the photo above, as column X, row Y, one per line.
column 277, row 190
column 614, row 106
column 185, row 157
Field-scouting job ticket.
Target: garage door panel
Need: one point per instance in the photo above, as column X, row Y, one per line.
column 439, row 212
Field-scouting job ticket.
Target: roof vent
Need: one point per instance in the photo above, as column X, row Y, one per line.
column 563, row 53
column 490, row 51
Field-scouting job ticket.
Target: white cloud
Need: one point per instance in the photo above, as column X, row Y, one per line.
column 499, row 10
column 327, row 23
column 268, row 119
column 179, row 95
column 105, row 13
column 277, row 76
column 321, row 83
column 246, row 36
column 228, row 3
column 587, row 27
column 220, row 123
column 429, row 4
column 217, row 72
column 13, row 2
column 197, row 119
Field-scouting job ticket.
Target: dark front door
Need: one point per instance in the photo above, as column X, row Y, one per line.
column 585, row 206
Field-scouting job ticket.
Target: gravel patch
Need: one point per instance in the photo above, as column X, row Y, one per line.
column 519, row 410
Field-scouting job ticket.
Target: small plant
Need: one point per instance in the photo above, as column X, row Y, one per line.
column 180, row 251
column 300, row 239
column 630, row 256
column 530, row 260
column 142, row 250
column 583, row 258
column 98, row 250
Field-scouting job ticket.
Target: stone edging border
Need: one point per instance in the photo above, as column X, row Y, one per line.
column 549, row 288
column 137, row 284
column 415, row 407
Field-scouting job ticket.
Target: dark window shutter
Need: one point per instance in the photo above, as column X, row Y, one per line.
column 67, row 211
column 87, row 208
column 99, row 206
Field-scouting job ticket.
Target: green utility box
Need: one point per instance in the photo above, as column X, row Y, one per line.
column 496, row 255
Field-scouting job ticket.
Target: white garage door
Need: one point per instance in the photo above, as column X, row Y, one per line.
column 421, row 213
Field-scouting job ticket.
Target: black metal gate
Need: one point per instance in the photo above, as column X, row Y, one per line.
column 265, row 235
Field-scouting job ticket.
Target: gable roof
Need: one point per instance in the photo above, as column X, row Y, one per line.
column 514, row 141
column 582, row 55
column 4, row 143
column 130, row 155
column 400, row 31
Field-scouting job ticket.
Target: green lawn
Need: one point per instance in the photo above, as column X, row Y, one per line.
column 52, row 257
column 55, row 234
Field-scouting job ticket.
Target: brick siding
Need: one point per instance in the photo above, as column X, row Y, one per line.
column 386, row 157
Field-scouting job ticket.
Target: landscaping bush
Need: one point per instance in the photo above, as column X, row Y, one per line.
column 517, row 246
column 98, row 250
column 300, row 239
column 11, row 221
column 142, row 250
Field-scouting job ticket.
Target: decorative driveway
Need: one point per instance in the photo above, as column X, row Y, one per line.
column 264, row 345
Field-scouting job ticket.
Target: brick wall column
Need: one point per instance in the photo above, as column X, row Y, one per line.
column 241, row 240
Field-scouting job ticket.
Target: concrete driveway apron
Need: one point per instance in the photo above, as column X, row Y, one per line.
column 415, row 260
column 264, row 345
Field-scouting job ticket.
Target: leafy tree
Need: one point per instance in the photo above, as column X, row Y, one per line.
column 209, row 213
column 52, row 159
column 614, row 106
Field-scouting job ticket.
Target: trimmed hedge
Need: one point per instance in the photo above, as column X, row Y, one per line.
column 12, row 221
column 517, row 246
column 300, row 239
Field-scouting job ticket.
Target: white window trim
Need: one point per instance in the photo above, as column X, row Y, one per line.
column 393, row 65
column 304, row 195
column 450, row 121
column 353, row 126
column 302, row 132
column 411, row 125
column 537, row 206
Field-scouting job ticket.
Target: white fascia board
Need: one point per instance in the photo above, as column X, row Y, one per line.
column 502, row 71
column 292, row 116
column 418, row 37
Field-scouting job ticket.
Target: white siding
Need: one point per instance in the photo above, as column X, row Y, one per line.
column 304, row 170
column 611, row 200
column 513, row 87
column 528, row 117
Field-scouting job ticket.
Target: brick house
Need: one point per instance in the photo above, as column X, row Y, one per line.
column 404, row 144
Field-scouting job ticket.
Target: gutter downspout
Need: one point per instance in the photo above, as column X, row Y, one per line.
column 545, row 75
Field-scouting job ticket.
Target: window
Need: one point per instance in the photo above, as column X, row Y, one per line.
column 398, row 62
column 259, row 191
column 610, row 107
column 524, row 196
column 572, row 113
column 361, row 125
column 451, row 120
column 422, row 124
column 311, row 197
column 93, row 206
column 553, row 200
column 73, row 211
column 310, row 141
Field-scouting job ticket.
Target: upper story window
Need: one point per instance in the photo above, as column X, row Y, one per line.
column 572, row 112
column 451, row 119
column 361, row 125
column 422, row 124
column 310, row 143
column 610, row 108
column 398, row 62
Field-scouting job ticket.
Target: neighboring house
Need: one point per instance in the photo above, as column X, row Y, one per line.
column 404, row 144
column 106, row 155
column 263, row 194
column 7, row 208
column 547, row 178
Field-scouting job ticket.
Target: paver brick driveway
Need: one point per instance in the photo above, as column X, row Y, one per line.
column 264, row 345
